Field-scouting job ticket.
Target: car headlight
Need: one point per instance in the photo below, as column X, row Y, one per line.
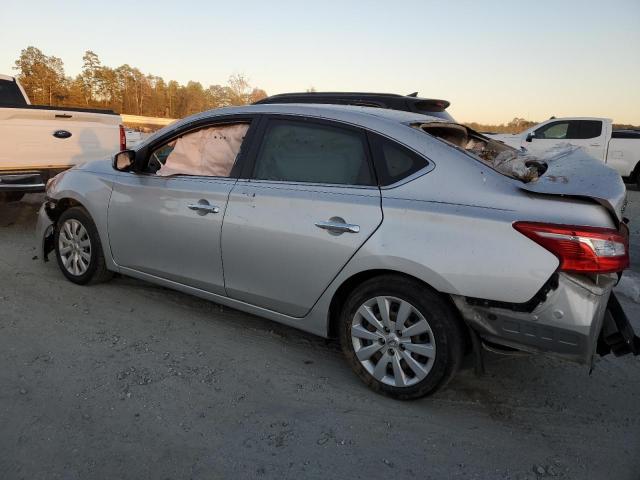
column 53, row 181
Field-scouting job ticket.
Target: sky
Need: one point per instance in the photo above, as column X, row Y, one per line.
column 493, row 60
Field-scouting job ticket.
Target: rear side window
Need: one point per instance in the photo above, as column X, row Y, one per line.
column 586, row 129
column 311, row 152
column 570, row 130
column 395, row 162
column 10, row 94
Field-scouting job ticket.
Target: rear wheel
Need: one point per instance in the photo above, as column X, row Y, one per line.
column 78, row 248
column 400, row 337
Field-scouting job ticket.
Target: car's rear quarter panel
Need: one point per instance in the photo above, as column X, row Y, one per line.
column 452, row 229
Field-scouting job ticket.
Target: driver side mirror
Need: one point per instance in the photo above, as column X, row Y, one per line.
column 530, row 137
column 123, row 161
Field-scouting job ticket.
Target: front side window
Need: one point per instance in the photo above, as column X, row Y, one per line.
column 210, row 152
column 316, row 153
column 554, row 130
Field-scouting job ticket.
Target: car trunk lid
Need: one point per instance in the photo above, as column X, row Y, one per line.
column 577, row 174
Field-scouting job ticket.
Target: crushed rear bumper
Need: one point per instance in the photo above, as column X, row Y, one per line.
column 575, row 320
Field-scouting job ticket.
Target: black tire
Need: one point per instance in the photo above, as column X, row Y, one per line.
column 96, row 270
column 447, row 333
column 11, row 196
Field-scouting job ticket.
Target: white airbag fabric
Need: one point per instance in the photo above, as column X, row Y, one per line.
column 207, row 152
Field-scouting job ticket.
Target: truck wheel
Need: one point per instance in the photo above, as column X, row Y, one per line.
column 78, row 248
column 11, row 196
column 400, row 337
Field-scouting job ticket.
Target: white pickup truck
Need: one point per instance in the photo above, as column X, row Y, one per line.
column 620, row 149
column 38, row 142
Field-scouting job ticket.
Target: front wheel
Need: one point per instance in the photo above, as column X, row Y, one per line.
column 78, row 248
column 401, row 338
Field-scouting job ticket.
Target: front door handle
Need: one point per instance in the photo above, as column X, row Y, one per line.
column 594, row 144
column 203, row 207
column 337, row 226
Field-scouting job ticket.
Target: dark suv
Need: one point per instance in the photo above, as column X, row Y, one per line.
column 407, row 103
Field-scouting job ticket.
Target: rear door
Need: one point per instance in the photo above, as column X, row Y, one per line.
column 588, row 134
column 306, row 204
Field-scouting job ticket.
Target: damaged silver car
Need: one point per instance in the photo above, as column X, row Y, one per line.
column 413, row 240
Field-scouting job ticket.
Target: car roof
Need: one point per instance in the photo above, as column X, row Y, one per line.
column 368, row 117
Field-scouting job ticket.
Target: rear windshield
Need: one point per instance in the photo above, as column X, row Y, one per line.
column 495, row 154
column 438, row 114
column 10, row 94
column 433, row 110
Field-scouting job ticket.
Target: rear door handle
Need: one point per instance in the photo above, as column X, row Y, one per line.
column 594, row 144
column 203, row 208
column 338, row 227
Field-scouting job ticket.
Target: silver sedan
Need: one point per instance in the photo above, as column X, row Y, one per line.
column 413, row 240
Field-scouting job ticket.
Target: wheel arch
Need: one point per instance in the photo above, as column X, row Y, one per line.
column 96, row 208
column 61, row 205
column 348, row 285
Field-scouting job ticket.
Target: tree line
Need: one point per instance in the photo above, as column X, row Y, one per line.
column 124, row 89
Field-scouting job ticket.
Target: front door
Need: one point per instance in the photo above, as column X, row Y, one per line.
column 309, row 204
column 167, row 220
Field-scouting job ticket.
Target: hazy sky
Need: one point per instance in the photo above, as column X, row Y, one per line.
column 493, row 60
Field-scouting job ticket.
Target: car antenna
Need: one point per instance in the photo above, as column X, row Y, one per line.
column 414, row 94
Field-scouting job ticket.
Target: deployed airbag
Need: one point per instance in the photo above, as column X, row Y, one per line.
column 206, row 152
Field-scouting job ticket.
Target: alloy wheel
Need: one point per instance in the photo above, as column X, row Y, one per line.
column 74, row 247
column 393, row 341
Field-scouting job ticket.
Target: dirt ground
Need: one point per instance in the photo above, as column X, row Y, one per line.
column 126, row 380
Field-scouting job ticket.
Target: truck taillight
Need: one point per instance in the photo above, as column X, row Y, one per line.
column 581, row 249
column 123, row 139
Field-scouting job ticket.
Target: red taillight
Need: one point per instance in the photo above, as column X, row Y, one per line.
column 581, row 249
column 123, row 139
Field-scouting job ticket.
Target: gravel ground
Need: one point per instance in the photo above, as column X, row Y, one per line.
column 128, row 380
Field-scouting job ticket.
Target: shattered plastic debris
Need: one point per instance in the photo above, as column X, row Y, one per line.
column 524, row 166
column 514, row 164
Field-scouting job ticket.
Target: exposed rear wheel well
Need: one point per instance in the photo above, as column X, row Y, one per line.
column 352, row 282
